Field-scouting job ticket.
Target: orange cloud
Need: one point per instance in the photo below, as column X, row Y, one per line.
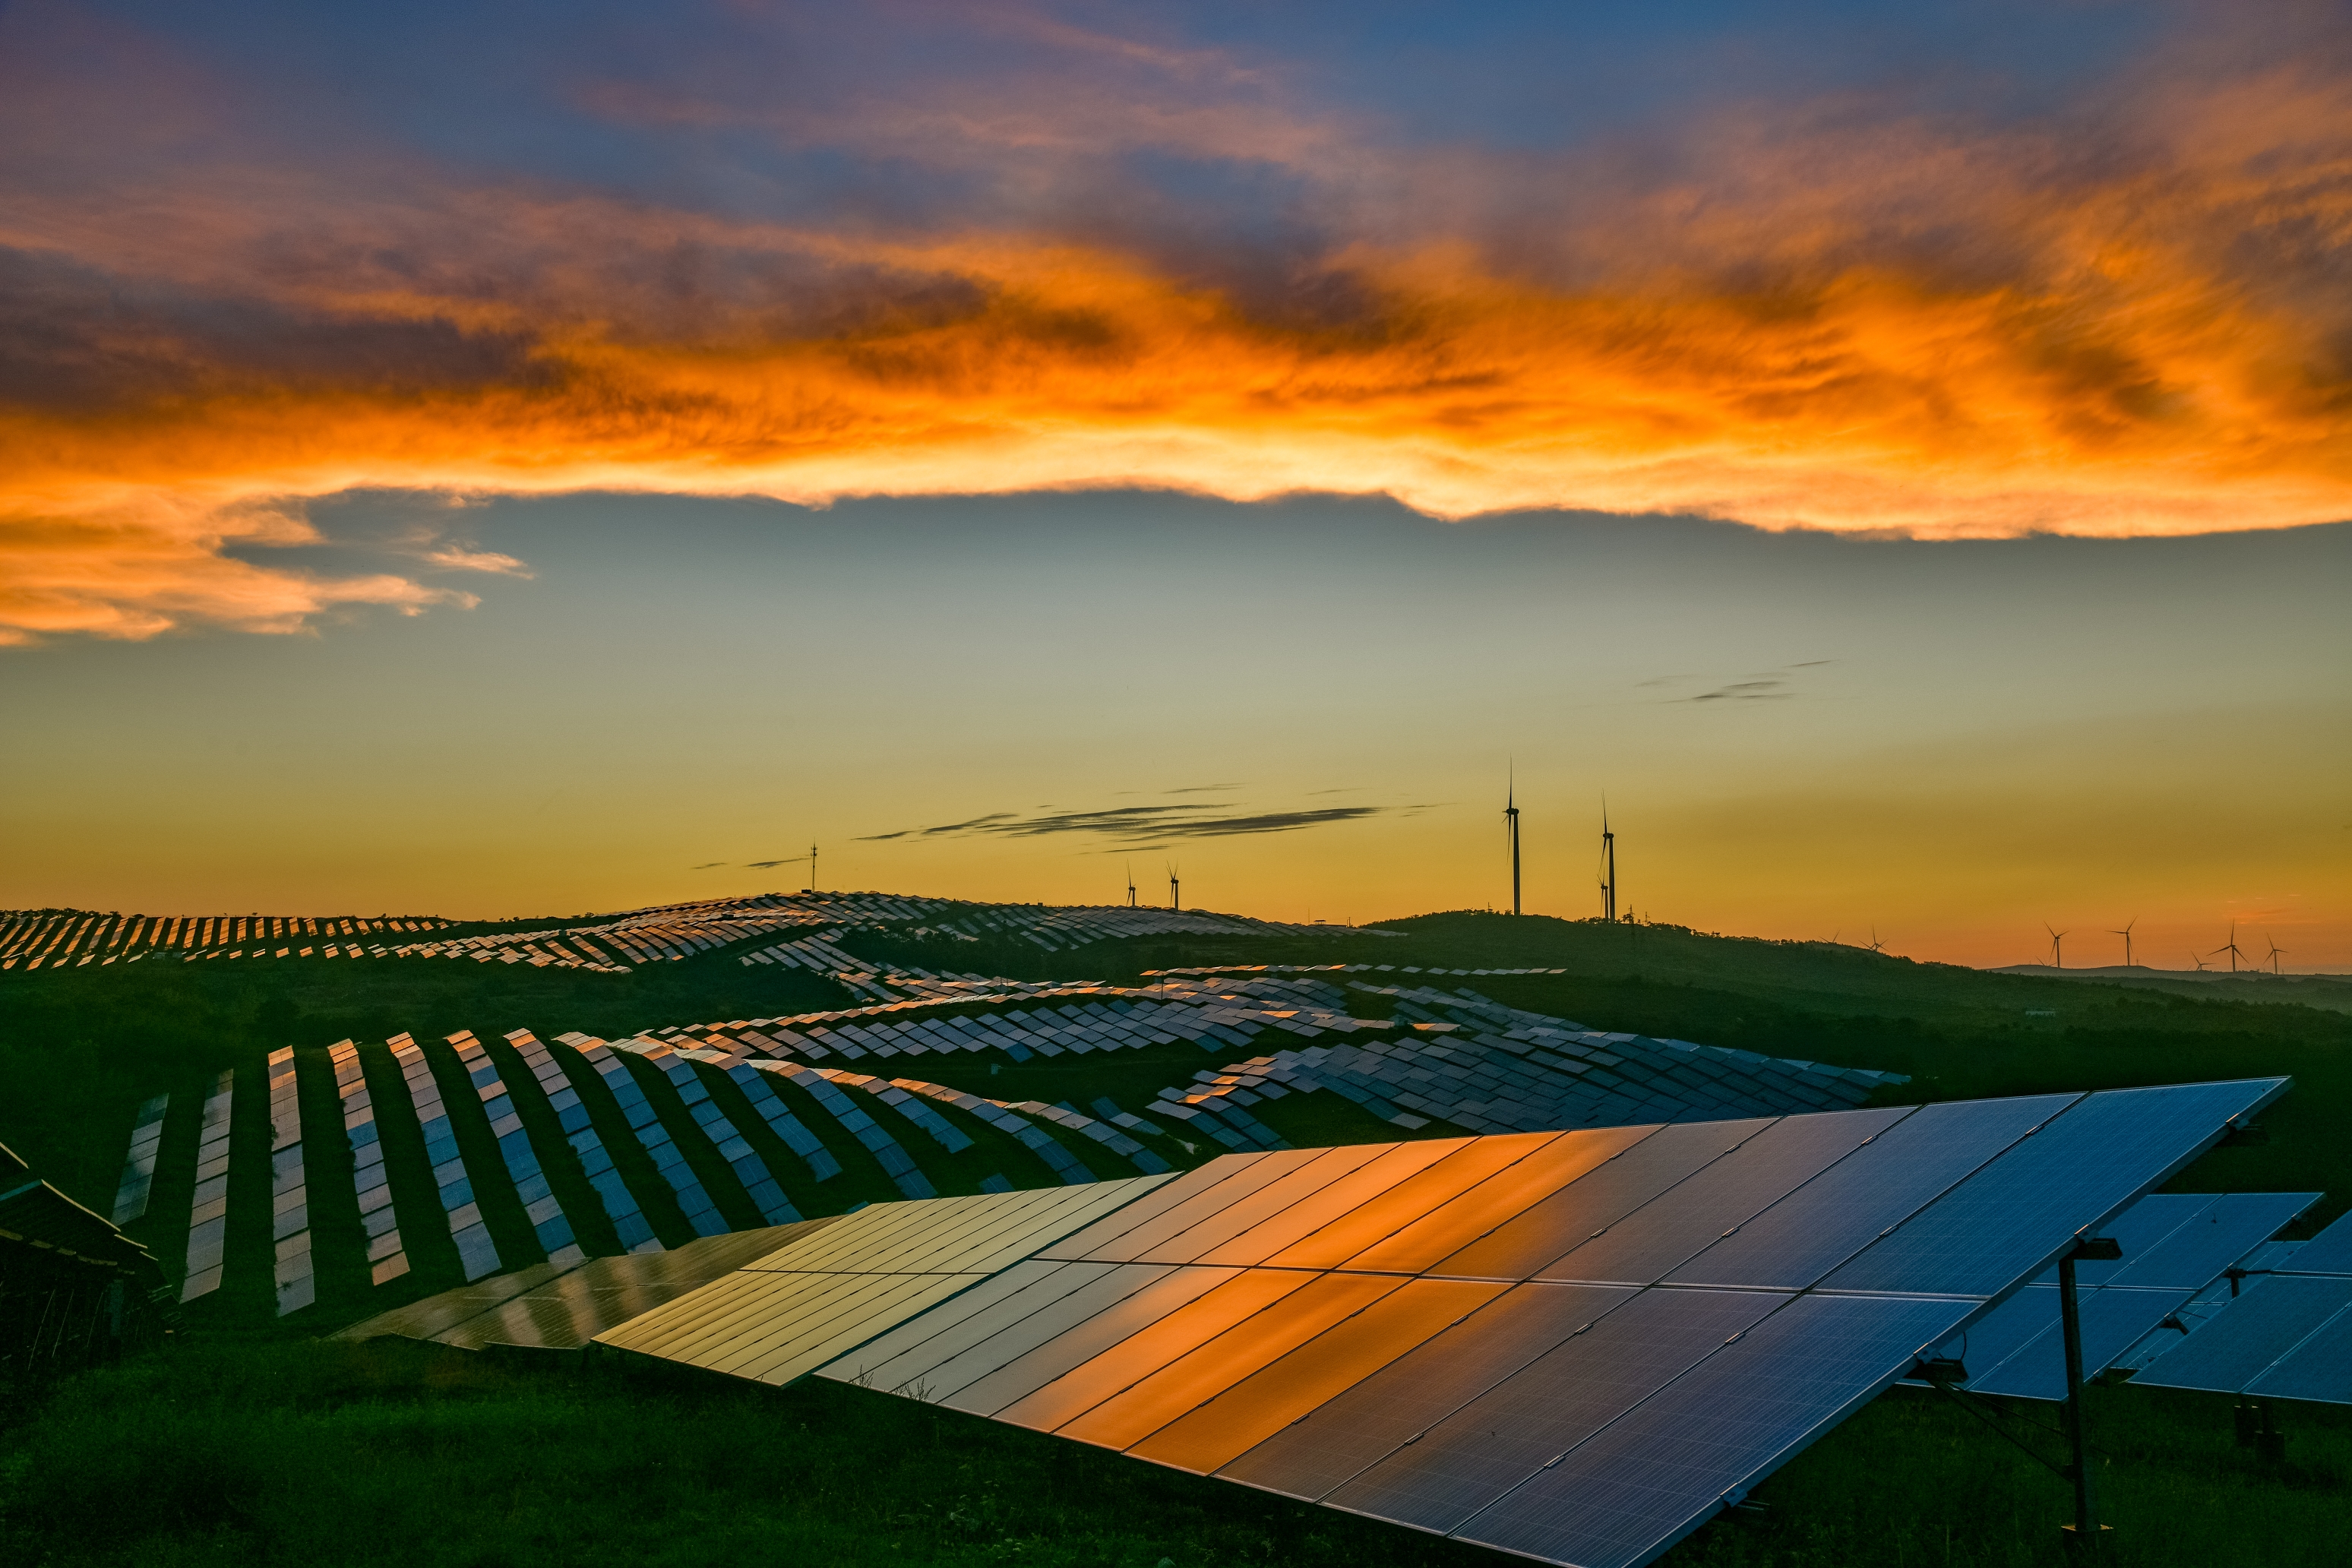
column 1871, row 328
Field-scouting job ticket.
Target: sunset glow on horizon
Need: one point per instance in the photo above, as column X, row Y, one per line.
column 885, row 406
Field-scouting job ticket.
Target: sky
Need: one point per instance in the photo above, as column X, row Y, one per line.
column 555, row 458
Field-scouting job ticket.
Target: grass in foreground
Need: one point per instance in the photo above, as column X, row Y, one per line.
column 235, row 1452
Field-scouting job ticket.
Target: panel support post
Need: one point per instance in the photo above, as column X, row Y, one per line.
column 2085, row 1534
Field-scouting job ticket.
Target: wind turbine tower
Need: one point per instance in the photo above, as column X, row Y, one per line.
column 1175, row 889
column 2276, row 954
column 1130, row 884
column 2231, row 947
column 2057, row 952
column 2126, row 934
column 1511, row 831
column 1608, row 868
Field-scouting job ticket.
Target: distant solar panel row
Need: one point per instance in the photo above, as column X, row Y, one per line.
column 1578, row 1345
column 865, row 1110
column 2286, row 1336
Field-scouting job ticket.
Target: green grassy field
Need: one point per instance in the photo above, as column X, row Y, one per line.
column 240, row 1444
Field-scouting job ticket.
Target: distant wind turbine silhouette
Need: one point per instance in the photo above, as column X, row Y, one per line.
column 1130, row 884
column 2197, row 961
column 1876, row 945
column 2274, row 954
column 2057, row 952
column 1175, row 888
column 1511, row 831
column 1608, row 866
column 2126, row 934
column 2229, row 947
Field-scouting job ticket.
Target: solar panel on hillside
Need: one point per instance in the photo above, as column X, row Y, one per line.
column 208, row 1210
column 139, row 1162
column 1415, row 1382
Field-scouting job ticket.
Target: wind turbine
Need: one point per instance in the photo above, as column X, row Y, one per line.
column 1175, row 888
column 2057, row 952
column 1608, row 867
column 1130, row 884
column 2229, row 947
column 2126, row 934
column 2197, row 961
column 1511, row 832
column 1876, row 945
column 2274, row 954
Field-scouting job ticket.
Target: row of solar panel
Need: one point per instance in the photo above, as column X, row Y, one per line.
column 1577, row 1346
column 880, row 1117
column 2286, row 1334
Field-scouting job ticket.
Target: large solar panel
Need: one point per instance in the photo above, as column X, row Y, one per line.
column 1403, row 1330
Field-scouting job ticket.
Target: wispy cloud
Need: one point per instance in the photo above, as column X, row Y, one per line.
column 1142, row 826
column 457, row 558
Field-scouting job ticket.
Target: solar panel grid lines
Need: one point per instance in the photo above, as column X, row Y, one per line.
column 292, row 1272
column 1803, row 1235
column 1474, row 1455
column 1421, row 1243
column 1218, row 1192
column 478, row 1253
column 942, row 1131
column 1397, row 1405
column 2013, row 1218
column 139, row 1161
column 1289, row 1387
column 1157, row 1394
column 208, row 1210
column 371, row 1183
column 2223, row 1232
column 630, row 1225
column 1720, row 1197
column 1597, row 1199
column 701, row 1213
column 549, row 1226
column 766, row 1193
column 1674, row 1460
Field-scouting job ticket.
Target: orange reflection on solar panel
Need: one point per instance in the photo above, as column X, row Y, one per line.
column 1470, row 1162
column 1599, row 1198
column 1193, row 1379
column 1496, row 1200
column 1181, row 1235
column 1150, row 1344
column 1325, row 1366
column 1303, row 1217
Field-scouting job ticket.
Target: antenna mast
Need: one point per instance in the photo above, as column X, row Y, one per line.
column 812, row 886
column 1511, row 828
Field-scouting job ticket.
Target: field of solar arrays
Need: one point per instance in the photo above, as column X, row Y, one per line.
column 582, row 1182
column 764, row 1111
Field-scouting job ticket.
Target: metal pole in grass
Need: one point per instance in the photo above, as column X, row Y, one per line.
column 2085, row 1534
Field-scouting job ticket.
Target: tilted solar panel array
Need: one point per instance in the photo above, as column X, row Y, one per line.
column 2287, row 1335
column 901, row 1122
column 1579, row 1346
column 2175, row 1246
